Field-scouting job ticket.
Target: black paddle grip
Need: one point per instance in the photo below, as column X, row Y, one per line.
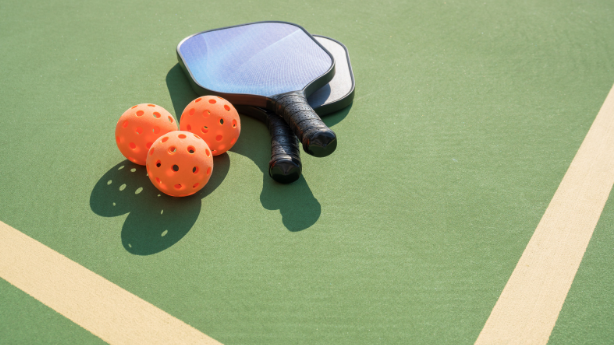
column 317, row 139
column 285, row 165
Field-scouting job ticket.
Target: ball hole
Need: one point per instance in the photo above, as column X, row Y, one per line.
column 195, row 170
column 191, row 112
column 175, row 167
column 226, row 107
column 140, row 113
column 132, row 145
column 172, row 149
column 212, row 101
column 233, row 141
column 198, row 100
column 219, row 138
column 234, row 123
column 149, row 146
column 158, row 180
column 158, row 163
column 221, row 121
column 206, row 113
column 157, row 115
column 164, row 139
column 170, row 119
column 191, row 149
column 208, row 170
column 195, row 185
column 151, row 105
column 189, row 128
column 178, row 186
column 207, row 152
column 139, row 130
column 118, row 139
column 205, row 129
column 181, row 136
column 196, row 136
column 125, row 124
column 134, row 106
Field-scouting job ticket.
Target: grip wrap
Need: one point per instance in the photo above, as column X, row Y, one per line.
column 317, row 139
column 285, row 164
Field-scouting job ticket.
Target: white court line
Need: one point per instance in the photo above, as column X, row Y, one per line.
column 89, row 300
column 530, row 303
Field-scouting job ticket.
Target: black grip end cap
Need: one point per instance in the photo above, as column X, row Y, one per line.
column 320, row 143
column 285, row 170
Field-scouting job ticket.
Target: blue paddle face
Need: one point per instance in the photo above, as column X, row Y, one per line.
column 262, row 59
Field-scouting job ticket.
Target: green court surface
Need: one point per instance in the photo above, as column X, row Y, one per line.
column 467, row 114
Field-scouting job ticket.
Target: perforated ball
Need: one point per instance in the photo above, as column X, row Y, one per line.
column 215, row 120
column 179, row 163
column 139, row 127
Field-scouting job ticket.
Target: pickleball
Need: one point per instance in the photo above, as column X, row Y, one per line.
column 179, row 163
column 139, row 127
column 215, row 120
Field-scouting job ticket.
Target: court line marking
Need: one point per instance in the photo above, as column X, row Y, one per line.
column 531, row 301
column 89, row 300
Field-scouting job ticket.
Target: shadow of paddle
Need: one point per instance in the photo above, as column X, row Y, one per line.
column 298, row 207
column 295, row 201
column 155, row 220
column 332, row 119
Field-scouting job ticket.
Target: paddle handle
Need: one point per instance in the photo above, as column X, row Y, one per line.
column 285, row 164
column 317, row 139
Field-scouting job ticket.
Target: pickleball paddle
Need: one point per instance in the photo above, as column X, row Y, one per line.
column 273, row 65
column 285, row 165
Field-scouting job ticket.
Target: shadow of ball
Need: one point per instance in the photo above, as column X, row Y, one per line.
column 155, row 221
column 162, row 224
column 121, row 189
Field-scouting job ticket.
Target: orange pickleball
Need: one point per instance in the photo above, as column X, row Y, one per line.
column 215, row 120
column 139, row 127
column 179, row 163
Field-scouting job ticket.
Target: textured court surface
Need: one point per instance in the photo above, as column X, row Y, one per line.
column 466, row 117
